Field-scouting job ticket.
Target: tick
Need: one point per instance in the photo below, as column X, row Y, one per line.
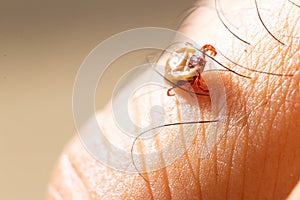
column 185, row 66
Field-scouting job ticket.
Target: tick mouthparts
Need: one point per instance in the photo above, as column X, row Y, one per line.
column 193, row 62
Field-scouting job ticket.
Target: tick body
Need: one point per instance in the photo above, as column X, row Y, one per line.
column 186, row 65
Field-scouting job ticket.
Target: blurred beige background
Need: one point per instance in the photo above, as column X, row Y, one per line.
column 42, row 45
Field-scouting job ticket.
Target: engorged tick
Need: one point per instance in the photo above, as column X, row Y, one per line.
column 185, row 66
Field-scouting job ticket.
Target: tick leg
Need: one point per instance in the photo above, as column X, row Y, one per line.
column 179, row 83
column 207, row 48
column 169, row 90
column 201, row 85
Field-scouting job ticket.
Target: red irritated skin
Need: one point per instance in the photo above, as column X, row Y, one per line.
column 258, row 155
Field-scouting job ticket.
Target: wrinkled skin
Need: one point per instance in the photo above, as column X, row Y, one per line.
column 258, row 155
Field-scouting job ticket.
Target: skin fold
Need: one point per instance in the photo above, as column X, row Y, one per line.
column 257, row 154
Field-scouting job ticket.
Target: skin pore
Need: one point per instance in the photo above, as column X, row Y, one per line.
column 258, row 153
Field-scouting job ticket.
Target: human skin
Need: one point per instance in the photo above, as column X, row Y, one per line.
column 258, row 153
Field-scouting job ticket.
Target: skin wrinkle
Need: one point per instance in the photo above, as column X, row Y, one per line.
column 130, row 189
column 246, row 143
column 229, row 172
column 79, row 171
column 205, row 182
column 278, row 166
column 287, row 135
column 144, row 161
column 267, row 146
column 235, row 161
column 256, row 128
column 279, row 159
column 186, row 158
column 80, row 177
column 226, row 135
column 189, row 162
column 215, row 164
column 77, row 183
column 200, row 143
column 223, row 165
column 167, row 191
column 282, row 101
column 198, row 166
column 198, row 178
column 244, row 166
column 165, row 172
column 190, row 186
column 179, row 120
column 54, row 194
column 140, row 146
column 234, row 151
column 186, row 165
column 267, row 138
column 230, row 157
